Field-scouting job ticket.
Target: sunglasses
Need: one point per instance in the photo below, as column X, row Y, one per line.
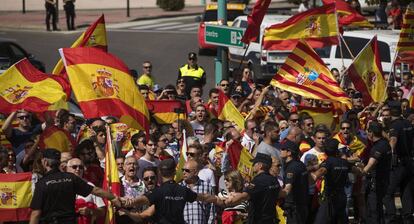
column 180, row 81
column 310, row 124
column 192, row 154
column 150, row 145
column 146, row 67
column 192, row 59
column 225, row 85
column 23, row 117
column 345, row 128
column 294, row 120
column 75, row 167
column 186, row 170
column 149, row 178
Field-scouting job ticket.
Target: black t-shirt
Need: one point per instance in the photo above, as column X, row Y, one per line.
column 335, row 178
column 18, row 138
column 169, row 200
column 403, row 131
column 381, row 151
column 263, row 193
column 55, row 195
column 297, row 175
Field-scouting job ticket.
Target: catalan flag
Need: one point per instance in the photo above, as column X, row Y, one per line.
column 181, row 161
column 57, row 138
column 111, row 178
column 22, row 86
column 165, row 111
column 227, row 111
column 94, row 36
column 366, row 73
column 254, row 20
column 347, row 15
column 103, row 86
column 406, row 41
column 356, row 145
column 16, row 195
column 305, row 74
column 317, row 26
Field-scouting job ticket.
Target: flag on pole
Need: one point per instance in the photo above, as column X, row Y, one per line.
column 254, row 20
column 318, row 26
column 347, row 15
column 22, row 86
column 16, row 195
column 103, row 86
column 227, row 111
column 366, row 73
column 111, row 178
column 165, row 111
column 183, row 158
column 94, row 36
column 305, row 74
column 406, row 41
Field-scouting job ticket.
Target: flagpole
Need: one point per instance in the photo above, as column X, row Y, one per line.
column 347, row 47
column 339, row 38
column 244, row 56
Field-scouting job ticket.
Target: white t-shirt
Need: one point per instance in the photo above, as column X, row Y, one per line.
column 198, row 130
column 207, row 175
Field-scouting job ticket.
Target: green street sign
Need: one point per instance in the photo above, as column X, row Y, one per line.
column 224, row 35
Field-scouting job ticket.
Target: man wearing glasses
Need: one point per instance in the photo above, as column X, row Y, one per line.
column 192, row 73
column 146, row 77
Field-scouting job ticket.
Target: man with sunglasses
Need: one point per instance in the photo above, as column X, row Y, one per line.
column 149, row 176
column 224, row 85
column 146, row 77
column 192, row 73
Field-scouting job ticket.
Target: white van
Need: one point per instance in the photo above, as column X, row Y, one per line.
column 266, row 63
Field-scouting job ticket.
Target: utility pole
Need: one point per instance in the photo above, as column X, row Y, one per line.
column 221, row 64
column 24, row 6
column 127, row 8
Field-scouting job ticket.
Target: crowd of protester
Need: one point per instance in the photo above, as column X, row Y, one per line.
column 303, row 171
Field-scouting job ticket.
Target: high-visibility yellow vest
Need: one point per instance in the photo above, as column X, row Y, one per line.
column 195, row 73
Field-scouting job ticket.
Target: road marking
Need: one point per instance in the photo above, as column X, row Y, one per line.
column 152, row 26
column 146, row 22
column 191, row 28
column 179, row 27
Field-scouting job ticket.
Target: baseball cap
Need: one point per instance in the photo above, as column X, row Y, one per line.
column 192, row 55
column 263, row 158
column 290, row 146
column 51, row 154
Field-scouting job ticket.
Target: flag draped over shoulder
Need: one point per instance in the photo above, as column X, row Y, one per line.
column 227, row 111
column 347, row 15
column 111, row 177
column 181, row 161
column 103, row 86
column 57, row 138
column 94, row 36
column 317, row 26
column 164, row 111
column 254, row 20
column 406, row 41
column 16, row 195
column 22, row 86
column 305, row 74
column 366, row 73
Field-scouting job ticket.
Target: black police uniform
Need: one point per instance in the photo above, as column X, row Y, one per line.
column 169, row 200
column 55, row 196
column 70, row 14
column 296, row 203
column 402, row 172
column 51, row 12
column 263, row 193
column 333, row 204
column 378, row 180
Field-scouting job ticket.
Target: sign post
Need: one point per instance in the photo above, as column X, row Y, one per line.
column 224, row 36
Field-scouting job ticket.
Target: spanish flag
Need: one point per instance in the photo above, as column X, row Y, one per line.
column 122, row 133
column 347, row 15
column 111, row 177
column 57, row 138
column 22, row 86
column 320, row 115
column 406, row 41
column 254, row 20
column 165, row 111
column 181, row 161
column 103, row 86
column 16, row 195
column 94, row 36
column 305, row 74
column 366, row 73
column 227, row 111
column 318, row 26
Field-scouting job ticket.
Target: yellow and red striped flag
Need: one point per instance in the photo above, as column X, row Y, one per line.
column 318, row 26
column 22, row 86
column 181, row 161
column 94, row 36
column 57, row 138
column 406, row 41
column 305, row 74
column 111, row 180
column 347, row 15
column 164, row 111
column 16, row 195
column 227, row 111
column 366, row 73
column 103, row 86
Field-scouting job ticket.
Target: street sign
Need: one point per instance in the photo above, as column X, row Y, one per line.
column 224, row 35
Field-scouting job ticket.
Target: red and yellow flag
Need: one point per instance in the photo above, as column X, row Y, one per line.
column 305, row 74
column 22, row 86
column 103, row 86
column 317, row 26
column 347, row 15
column 406, row 41
column 227, row 111
column 254, row 20
column 366, row 74
column 181, row 161
column 111, row 177
column 122, row 133
column 57, row 138
column 94, row 36
column 16, row 195
column 164, row 111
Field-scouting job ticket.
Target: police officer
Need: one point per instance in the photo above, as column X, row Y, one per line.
column 296, row 184
column 53, row 200
column 401, row 141
column 378, row 172
column 50, row 6
column 335, row 171
column 70, row 13
column 192, row 73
